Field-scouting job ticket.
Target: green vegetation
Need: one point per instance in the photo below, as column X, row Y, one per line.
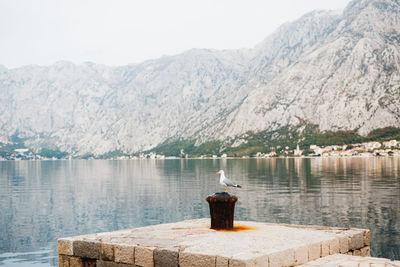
column 52, row 153
column 284, row 138
column 109, row 155
column 384, row 134
column 331, row 138
column 87, row 156
column 277, row 140
column 6, row 150
column 174, row 148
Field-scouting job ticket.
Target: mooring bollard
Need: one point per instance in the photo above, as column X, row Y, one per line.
column 222, row 209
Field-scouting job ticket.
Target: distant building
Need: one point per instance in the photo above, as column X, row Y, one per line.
column 390, row 144
column 271, row 154
column 21, row 150
column 313, row 147
column 365, row 154
column 372, row 145
column 317, row 150
column 297, row 151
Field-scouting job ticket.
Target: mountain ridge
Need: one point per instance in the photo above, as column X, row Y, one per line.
column 337, row 70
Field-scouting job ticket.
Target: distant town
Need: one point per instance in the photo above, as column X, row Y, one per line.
column 366, row 149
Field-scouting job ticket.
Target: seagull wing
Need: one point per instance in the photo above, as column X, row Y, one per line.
column 228, row 182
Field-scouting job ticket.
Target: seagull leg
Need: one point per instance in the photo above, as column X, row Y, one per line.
column 226, row 189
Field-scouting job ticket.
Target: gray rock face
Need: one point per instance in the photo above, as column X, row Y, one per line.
column 349, row 79
column 338, row 70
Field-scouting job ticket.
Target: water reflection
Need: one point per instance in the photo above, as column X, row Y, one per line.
column 42, row 201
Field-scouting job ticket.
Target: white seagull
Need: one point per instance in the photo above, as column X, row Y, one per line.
column 225, row 181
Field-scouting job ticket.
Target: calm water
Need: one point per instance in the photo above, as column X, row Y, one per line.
column 44, row 200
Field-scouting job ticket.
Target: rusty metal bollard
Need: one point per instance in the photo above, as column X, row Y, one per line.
column 222, row 209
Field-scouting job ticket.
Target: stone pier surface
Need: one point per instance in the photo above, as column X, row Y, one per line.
column 193, row 243
column 338, row 260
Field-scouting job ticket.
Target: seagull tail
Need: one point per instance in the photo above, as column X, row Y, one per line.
column 238, row 186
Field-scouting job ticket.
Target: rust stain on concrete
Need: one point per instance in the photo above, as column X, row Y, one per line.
column 238, row 228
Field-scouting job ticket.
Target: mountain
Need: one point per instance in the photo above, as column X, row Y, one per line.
column 348, row 79
column 334, row 70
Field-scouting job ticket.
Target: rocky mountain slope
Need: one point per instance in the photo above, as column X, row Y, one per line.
column 336, row 70
column 349, row 79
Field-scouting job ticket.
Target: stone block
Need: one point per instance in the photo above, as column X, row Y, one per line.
column 144, row 256
column 106, row 252
column 221, row 261
column 357, row 252
column 101, row 263
column 60, row 262
column 367, row 237
column 314, row 251
column 75, row 262
column 64, row 246
column 325, row 248
column 356, row 239
column 319, row 262
column 282, row 258
column 334, row 246
column 124, row 253
column 86, row 249
column 301, row 255
column 188, row 259
column 261, row 260
column 89, row 263
column 343, row 243
column 63, row 261
column 347, row 263
column 239, row 263
column 365, row 251
column 168, row 257
column 247, row 259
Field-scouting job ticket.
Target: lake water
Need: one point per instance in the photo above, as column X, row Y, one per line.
column 41, row 201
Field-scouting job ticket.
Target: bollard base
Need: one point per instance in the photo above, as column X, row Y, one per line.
column 222, row 209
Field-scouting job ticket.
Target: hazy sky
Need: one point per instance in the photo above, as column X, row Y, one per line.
column 118, row 32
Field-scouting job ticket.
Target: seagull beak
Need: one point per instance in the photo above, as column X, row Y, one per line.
column 217, row 173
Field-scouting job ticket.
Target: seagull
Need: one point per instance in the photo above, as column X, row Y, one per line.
column 225, row 181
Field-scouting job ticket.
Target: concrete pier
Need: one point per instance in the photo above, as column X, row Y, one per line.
column 352, row 261
column 193, row 243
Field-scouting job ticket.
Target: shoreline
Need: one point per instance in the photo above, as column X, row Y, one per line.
column 211, row 158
